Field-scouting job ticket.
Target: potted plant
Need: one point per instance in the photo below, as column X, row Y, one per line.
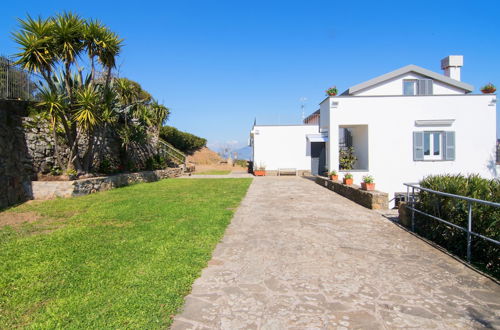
column 332, row 91
column 347, row 158
column 348, row 179
column 260, row 170
column 368, row 183
column 489, row 88
column 334, row 176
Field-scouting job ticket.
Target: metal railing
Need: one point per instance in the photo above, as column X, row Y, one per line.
column 411, row 198
column 16, row 83
column 171, row 151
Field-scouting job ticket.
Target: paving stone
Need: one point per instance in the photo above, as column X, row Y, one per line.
column 298, row 256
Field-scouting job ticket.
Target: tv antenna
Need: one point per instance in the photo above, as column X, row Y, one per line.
column 303, row 106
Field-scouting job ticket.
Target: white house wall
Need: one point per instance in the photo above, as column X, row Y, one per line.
column 283, row 146
column 391, row 123
column 395, row 87
column 324, row 116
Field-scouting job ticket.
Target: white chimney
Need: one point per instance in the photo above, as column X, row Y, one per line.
column 451, row 66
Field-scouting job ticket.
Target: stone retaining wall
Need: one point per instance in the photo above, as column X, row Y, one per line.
column 15, row 163
column 53, row 189
column 375, row 200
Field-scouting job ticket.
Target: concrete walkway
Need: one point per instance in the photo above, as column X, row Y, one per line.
column 298, row 256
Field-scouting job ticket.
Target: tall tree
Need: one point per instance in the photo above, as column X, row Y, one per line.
column 82, row 104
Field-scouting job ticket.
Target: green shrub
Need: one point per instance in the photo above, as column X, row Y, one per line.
column 56, row 170
column 106, row 167
column 485, row 219
column 183, row 141
column 157, row 162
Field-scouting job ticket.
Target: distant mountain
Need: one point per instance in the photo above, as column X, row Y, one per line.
column 244, row 153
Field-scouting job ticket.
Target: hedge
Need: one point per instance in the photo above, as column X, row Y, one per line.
column 485, row 219
column 185, row 142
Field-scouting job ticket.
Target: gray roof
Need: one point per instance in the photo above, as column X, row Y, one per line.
column 410, row 68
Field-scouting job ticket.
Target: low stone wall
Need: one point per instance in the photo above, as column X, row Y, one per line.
column 375, row 200
column 53, row 189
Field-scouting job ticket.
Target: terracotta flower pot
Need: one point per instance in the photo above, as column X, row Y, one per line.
column 334, row 177
column 367, row 186
column 348, row 181
column 488, row 90
column 259, row 172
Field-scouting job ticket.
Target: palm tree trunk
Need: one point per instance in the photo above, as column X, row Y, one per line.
column 56, row 147
column 72, row 137
column 48, row 78
column 89, row 154
column 108, row 78
column 92, row 72
column 67, row 79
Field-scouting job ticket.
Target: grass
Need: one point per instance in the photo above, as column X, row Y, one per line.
column 124, row 258
column 213, row 172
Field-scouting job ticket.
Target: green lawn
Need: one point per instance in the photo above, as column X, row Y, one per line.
column 124, row 258
column 213, row 172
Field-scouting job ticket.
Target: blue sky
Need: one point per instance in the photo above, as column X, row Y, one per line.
column 219, row 64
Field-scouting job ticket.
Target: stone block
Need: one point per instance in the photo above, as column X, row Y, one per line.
column 375, row 200
column 404, row 215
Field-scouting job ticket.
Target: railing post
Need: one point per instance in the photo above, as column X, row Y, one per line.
column 469, row 236
column 413, row 209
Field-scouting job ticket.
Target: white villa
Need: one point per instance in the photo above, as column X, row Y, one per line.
column 403, row 125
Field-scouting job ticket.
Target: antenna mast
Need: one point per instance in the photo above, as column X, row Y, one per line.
column 303, row 106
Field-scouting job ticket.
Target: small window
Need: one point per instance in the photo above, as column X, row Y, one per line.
column 417, row 87
column 409, row 87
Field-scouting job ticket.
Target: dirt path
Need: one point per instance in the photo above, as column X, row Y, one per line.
column 298, row 256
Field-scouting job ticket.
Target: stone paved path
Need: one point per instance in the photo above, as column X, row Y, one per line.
column 298, row 256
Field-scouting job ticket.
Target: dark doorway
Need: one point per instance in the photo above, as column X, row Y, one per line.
column 318, row 158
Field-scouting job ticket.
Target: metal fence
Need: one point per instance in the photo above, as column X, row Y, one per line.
column 411, row 198
column 169, row 150
column 16, row 83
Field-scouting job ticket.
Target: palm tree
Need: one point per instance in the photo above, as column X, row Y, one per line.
column 110, row 48
column 87, row 117
column 35, row 39
column 68, row 43
column 92, row 39
column 53, row 103
column 160, row 113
